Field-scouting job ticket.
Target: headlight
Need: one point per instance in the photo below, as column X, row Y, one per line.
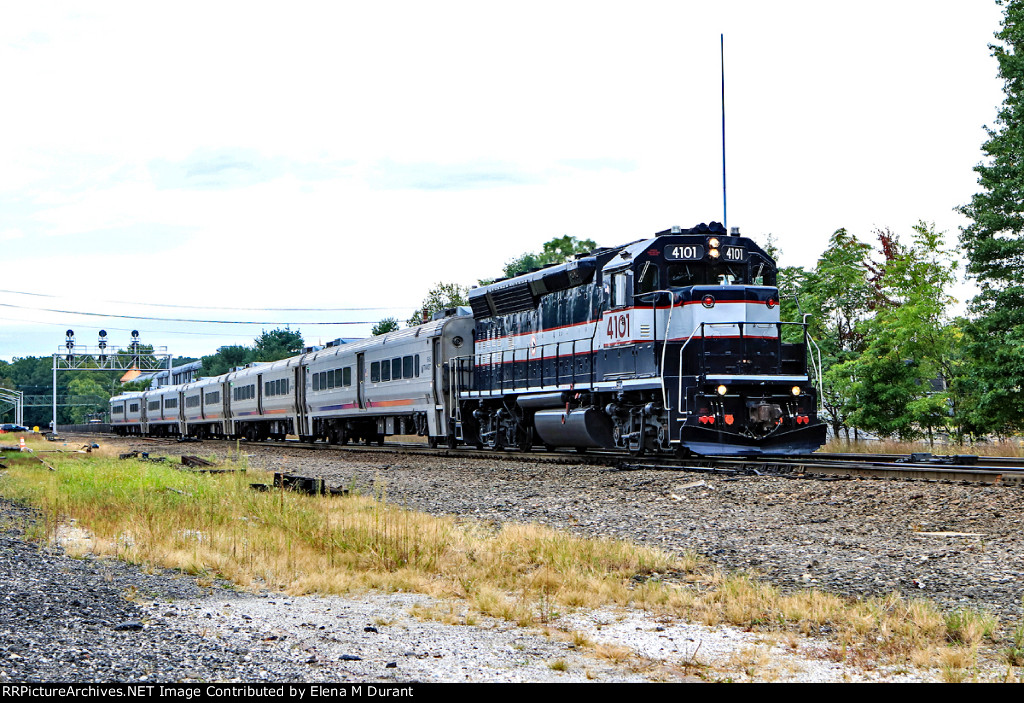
column 721, row 390
column 713, row 253
column 713, row 242
column 796, row 390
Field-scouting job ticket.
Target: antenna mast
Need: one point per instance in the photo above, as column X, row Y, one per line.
column 725, row 209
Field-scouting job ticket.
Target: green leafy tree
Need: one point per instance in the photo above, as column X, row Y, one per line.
column 441, row 297
column 898, row 383
column 388, row 324
column 994, row 243
column 839, row 297
column 269, row 346
column 555, row 251
column 86, row 397
column 278, row 344
column 225, row 359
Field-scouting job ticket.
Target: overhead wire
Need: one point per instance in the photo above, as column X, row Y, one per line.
column 189, row 320
column 210, row 307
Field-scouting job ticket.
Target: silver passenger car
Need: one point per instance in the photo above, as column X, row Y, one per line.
column 396, row 383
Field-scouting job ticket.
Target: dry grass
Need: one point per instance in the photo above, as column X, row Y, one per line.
column 216, row 527
column 1007, row 448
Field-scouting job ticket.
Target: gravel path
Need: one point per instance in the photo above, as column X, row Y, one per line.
column 98, row 620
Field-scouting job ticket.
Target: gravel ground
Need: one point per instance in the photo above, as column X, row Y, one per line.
column 99, row 620
column 959, row 545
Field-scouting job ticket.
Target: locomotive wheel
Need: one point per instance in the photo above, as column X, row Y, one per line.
column 525, row 442
column 581, row 450
column 432, row 442
column 452, row 442
column 368, row 440
column 380, row 440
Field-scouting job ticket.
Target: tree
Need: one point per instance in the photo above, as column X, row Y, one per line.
column 994, row 243
column 839, row 297
column 441, row 297
column 225, row 359
column 898, row 383
column 269, row 346
column 388, row 324
column 555, row 251
column 278, row 344
column 86, row 398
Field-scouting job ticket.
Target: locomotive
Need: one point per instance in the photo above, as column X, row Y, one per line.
column 670, row 344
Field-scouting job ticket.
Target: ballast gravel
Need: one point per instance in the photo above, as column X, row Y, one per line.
column 91, row 619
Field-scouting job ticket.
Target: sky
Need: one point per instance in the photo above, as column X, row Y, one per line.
column 169, row 168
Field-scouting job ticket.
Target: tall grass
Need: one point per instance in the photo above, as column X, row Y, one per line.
column 216, row 526
column 1009, row 448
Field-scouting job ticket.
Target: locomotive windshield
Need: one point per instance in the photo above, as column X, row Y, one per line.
column 695, row 273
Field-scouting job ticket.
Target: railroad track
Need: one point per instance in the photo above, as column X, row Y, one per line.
column 956, row 468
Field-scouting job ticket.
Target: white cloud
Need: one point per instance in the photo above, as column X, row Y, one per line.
column 343, row 152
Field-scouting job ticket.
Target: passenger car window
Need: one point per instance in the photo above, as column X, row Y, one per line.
column 375, row 372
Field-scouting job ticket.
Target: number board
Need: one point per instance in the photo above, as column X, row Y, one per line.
column 734, row 254
column 684, row 252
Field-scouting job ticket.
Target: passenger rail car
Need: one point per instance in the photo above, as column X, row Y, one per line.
column 668, row 344
column 396, row 383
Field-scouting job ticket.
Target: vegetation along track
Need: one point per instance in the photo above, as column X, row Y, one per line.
column 928, row 467
column 960, row 545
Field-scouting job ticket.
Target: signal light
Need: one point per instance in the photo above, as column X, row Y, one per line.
column 708, row 301
column 721, row 390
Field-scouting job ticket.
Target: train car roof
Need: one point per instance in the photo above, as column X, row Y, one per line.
column 506, row 296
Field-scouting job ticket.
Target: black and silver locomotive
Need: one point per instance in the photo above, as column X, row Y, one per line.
column 668, row 344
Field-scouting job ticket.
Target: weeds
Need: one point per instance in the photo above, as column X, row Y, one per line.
column 214, row 527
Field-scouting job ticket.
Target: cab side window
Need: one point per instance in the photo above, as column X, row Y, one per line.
column 621, row 289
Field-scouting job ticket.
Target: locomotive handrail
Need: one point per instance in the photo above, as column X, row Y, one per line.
column 817, row 369
column 700, row 326
column 741, row 324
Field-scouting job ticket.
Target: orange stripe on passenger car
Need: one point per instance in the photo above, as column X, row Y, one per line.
column 389, row 403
